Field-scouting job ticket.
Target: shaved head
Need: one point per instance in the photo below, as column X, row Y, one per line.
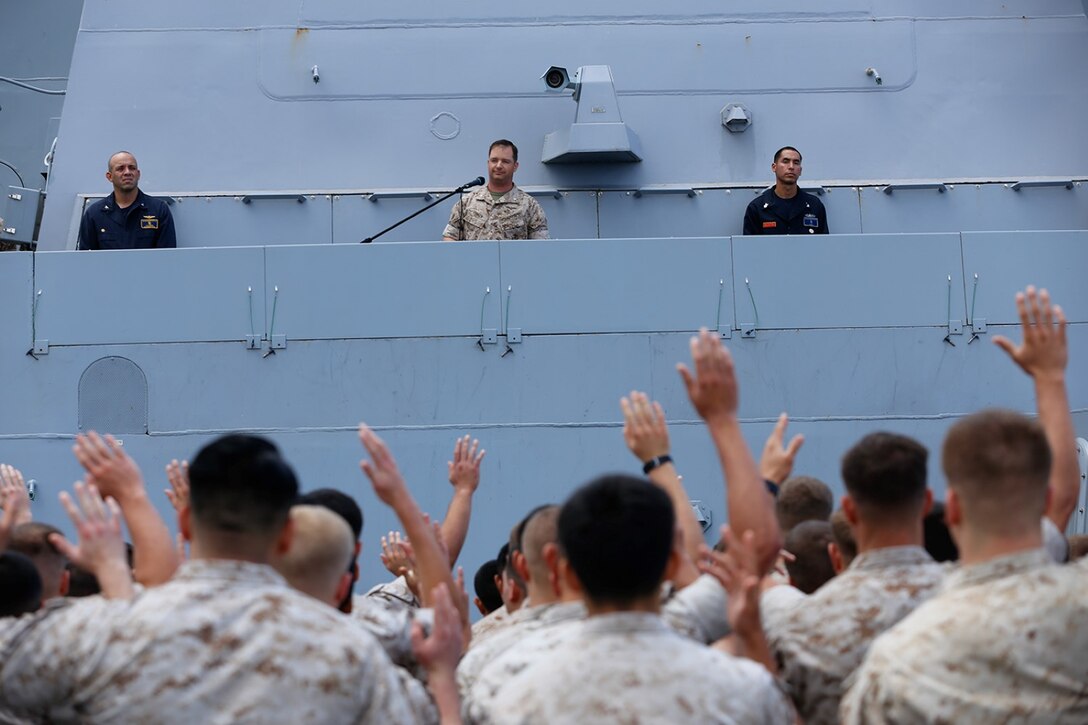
column 321, row 548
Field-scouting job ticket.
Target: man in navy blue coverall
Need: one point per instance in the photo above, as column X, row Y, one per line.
column 784, row 208
column 127, row 218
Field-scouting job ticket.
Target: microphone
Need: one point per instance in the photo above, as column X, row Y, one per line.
column 475, row 182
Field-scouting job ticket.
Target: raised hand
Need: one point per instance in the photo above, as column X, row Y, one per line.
column 381, row 469
column 737, row 569
column 177, row 474
column 399, row 559
column 1044, row 352
column 644, row 428
column 101, row 550
column 776, row 464
column 113, row 471
column 14, row 495
column 464, row 469
column 713, row 386
column 14, row 505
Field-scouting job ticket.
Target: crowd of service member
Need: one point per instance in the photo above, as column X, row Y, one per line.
column 608, row 607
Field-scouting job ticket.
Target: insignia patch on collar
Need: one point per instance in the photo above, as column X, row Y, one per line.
column 149, row 222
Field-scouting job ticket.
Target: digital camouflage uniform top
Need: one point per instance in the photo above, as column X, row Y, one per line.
column 1002, row 641
column 222, row 642
column 822, row 641
column 515, row 215
column 632, row 667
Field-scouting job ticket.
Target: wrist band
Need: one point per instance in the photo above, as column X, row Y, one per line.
column 655, row 462
column 772, row 487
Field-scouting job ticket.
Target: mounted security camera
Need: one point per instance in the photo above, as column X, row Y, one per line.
column 557, row 79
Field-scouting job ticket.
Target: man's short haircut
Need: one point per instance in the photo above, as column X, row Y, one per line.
column 540, row 530
column 20, row 585
column 515, row 545
column 778, row 153
column 484, row 583
column 885, row 475
column 109, row 161
column 322, row 548
column 339, row 503
column 617, row 531
column 32, row 540
column 811, row 566
column 803, row 498
column 240, row 484
column 998, row 463
column 843, row 536
column 503, row 142
column 938, row 539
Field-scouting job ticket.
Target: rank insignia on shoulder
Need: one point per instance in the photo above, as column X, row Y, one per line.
column 149, row 222
column 770, row 225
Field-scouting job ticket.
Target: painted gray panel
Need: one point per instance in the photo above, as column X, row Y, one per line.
column 918, row 131
column 974, row 207
column 16, row 299
column 890, row 280
column 149, row 295
column 36, row 41
column 1007, row 262
column 710, row 213
column 576, row 286
column 286, row 58
column 572, row 216
column 358, row 216
column 384, row 290
column 217, row 221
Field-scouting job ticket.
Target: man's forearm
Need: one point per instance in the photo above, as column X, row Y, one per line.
column 455, row 525
column 154, row 557
column 432, row 566
column 1057, row 423
column 115, row 581
column 667, row 479
column 443, row 687
column 751, row 508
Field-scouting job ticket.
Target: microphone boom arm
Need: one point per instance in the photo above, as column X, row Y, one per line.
column 475, row 182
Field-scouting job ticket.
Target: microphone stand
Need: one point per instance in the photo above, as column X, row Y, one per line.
column 460, row 189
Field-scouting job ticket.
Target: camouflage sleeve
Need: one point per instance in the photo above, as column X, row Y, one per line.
column 698, row 610
column 538, row 223
column 866, row 700
column 453, row 228
column 41, row 655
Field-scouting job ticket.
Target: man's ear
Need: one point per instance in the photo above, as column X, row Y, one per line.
column 551, row 558
column 836, row 557
column 850, row 510
column 953, row 510
column 185, row 523
column 521, row 566
column 480, row 606
column 343, row 588
column 65, row 582
column 287, row 533
column 927, row 504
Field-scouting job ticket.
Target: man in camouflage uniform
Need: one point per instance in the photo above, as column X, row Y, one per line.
column 1004, row 640
column 819, row 643
column 623, row 663
column 498, row 210
column 226, row 640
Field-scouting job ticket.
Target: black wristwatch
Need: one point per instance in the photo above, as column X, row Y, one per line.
column 655, row 462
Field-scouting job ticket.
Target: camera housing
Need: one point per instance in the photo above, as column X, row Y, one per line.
column 556, row 79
